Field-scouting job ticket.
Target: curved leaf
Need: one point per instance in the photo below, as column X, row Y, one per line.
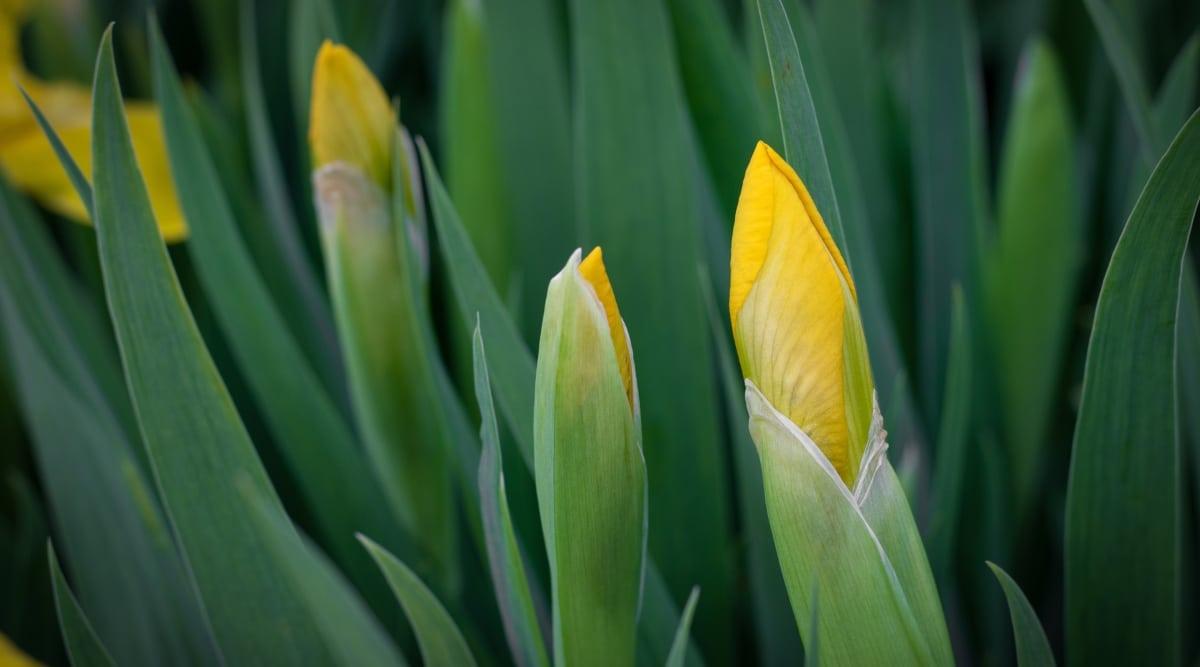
column 83, row 646
column 442, row 643
column 1033, row 649
column 508, row 570
column 1123, row 497
column 196, row 441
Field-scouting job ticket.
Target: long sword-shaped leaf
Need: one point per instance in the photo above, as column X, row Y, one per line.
column 847, row 33
column 478, row 301
column 442, row 643
column 309, row 308
column 1033, row 649
column 340, row 490
column 527, row 63
column 803, row 143
column 83, row 646
column 954, row 435
column 350, row 633
column 636, row 199
column 1123, row 498
column 471, row 151
column 140, row 601
column 948, row 172
column 99, row 499
column 721, row 98
column 887, row 362
column 94, row 334
column 521, row 625
column 1125, row 64
column 1033, row 267
column 196, row 441
column 680, row 645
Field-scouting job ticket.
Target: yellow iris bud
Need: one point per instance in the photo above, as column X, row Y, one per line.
column 795, row 316
column 350, row 120
column 589, row 470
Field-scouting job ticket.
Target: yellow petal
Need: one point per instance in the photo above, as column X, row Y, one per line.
column 592, row 270
column 32, row 166
column 11, row 656
column 350, row 119
column 787, row 301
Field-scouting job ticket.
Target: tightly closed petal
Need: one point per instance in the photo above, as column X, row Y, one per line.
column 350, row 119
column 592, row 270
column 794, row 312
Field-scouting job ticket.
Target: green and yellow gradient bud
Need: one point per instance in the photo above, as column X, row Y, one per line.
column 589, row 469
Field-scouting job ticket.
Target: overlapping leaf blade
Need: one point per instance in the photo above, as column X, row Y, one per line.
column 83, row 646
column 340, row 489
column 509, row 578
column 442, row 643
column 1033, row 649
column 1122, row 554
column 196, row 441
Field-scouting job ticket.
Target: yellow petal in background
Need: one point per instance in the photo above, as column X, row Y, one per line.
column 593, row 271
column 28, row 160
column 350, row 119
column 30, row 164
column 791, row 298
column 11, row 656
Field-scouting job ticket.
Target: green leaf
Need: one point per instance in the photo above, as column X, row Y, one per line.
column 954, row 435
column 679, row 646
column 848, row 32
column 1123, row 498
column 478, row 301
column 1033, row 266
column 1129, row 76
column 504, row 554
column 83, row 646
column 343, row 622
column 638, row 202
column 1033, row 649
column 302, row 294
column 338, row 486
column 512, row 372
column 98, row 496
column 527, row 62
column 803, row 143
column 94, row 336
column 192, row 431
column 471, row 151
column 860, row 248
column 442, row 644
column 74, row 174
column 721, row 98
column 948, row 174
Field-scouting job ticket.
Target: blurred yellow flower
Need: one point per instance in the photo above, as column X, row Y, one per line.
column 794, row 311
column 27, row 158
column 11, row 656
column 350, row 120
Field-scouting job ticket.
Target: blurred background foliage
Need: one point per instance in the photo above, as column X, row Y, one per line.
column 992, row 149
